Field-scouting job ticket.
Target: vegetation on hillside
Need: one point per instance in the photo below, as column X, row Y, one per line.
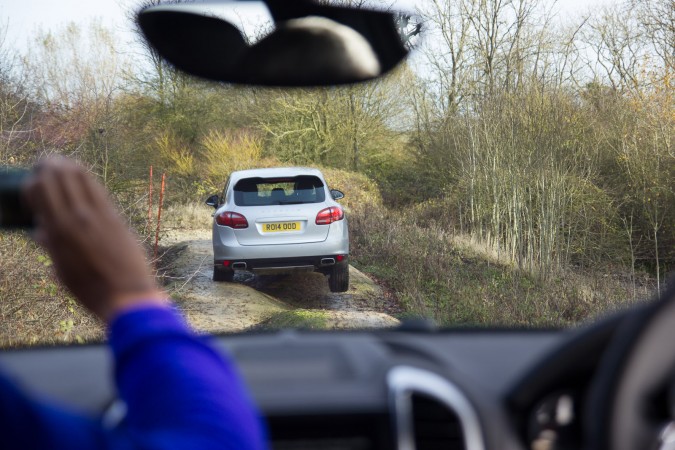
column 548, row 146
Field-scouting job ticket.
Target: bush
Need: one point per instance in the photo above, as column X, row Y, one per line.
column 225, row 152
column 360, row 192
column 459, row 285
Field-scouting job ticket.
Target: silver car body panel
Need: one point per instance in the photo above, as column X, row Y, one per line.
column 252, row 243
column 258, row 216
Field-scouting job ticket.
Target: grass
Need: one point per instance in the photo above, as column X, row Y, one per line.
column 456, row 281
column 34, row 308
column 308, row 319
column 188, row 216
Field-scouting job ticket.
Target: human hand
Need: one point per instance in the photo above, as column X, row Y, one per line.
column 94, row 253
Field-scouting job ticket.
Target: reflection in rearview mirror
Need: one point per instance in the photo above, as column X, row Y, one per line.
column 312, row 48
column 273, row 43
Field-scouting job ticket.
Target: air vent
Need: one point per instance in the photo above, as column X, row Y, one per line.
column 430, row 412
column 435, row 426
column 330, row 432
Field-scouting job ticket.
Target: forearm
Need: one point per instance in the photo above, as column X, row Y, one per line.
column 177, row 387
column 179, row 392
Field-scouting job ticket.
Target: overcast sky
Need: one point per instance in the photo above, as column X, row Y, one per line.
column 23, row 17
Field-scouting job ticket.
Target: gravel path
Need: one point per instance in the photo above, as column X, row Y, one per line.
column 250, row 299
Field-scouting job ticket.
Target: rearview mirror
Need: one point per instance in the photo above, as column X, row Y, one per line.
column 277, row 42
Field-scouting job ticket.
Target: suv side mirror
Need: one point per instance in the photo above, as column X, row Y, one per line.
column 213, row 201
column 337, row 195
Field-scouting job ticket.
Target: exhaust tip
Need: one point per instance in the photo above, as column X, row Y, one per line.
column 327, row 261
column 239, row 266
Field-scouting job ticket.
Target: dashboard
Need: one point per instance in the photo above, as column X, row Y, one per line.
column 454, row 389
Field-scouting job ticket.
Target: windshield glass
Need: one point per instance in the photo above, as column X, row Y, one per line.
column 278, row 191
column 518, row 170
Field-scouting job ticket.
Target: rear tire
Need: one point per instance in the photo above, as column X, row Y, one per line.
column 221, row 274
column 338, row 278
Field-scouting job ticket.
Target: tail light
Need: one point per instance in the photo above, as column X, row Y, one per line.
column 329, row 215
column 232, row 220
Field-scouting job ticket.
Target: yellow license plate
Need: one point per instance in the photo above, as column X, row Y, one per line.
column 277, row 227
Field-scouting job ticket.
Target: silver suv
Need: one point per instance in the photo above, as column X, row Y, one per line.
column 280, row 220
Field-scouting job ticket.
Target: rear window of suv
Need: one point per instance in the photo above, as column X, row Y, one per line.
column 279, row 191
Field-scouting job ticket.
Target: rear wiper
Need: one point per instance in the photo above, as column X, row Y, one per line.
column 291, row 203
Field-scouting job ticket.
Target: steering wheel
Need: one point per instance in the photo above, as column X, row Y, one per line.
column 631, row 405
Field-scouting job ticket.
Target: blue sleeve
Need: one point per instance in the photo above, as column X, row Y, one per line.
column 179, row 392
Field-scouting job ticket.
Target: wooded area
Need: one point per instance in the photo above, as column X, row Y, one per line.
column 549, row 143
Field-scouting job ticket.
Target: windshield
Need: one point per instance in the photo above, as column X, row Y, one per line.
column 518, row 170
column 278, row 191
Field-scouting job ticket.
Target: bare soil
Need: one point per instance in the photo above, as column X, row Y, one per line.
column 251, row 300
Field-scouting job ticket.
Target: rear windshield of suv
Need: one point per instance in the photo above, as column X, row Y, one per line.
column 279, row 191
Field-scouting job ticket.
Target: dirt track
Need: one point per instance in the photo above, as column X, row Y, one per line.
column 250, row 300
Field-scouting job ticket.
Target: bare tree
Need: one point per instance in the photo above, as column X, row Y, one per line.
column 657, row 17
column 617, row 50
column 155, row 75
column 15, row 110
column 447, row 51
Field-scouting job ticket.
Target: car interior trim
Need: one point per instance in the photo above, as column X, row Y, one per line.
column 403, row 381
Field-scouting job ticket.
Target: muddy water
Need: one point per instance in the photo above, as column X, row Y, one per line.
column 251, row 299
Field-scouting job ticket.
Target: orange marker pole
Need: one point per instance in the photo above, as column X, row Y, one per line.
column 150, row 199
column 159, row 213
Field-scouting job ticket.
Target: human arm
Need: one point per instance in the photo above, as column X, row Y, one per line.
column 179, row 391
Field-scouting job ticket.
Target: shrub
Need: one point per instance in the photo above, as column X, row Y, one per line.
column 360, row 192
column 439, row 276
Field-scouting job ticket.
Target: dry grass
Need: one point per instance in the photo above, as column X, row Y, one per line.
column 34, row 308
column 457, row 281
column 187, row 216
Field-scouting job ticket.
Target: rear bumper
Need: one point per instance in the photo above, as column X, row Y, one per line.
column 322, row 263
